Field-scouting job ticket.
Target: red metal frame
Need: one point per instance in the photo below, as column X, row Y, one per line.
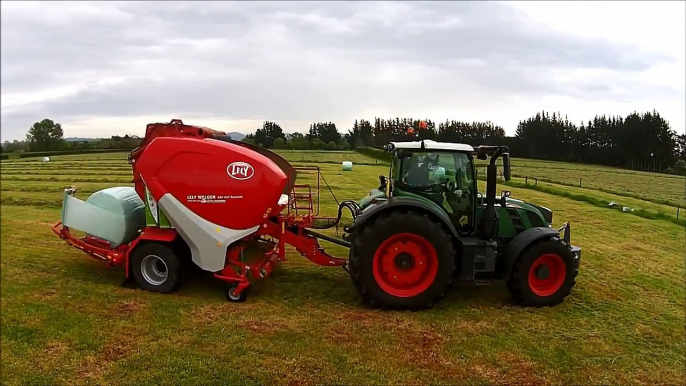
column 93, row 246
column 102, row 249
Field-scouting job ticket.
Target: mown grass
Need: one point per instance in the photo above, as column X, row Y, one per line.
column 602, row 202
column 66, row 320
column 655, row 187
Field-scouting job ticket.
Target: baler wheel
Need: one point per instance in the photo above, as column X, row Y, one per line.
column 402, row 260
column 231, row 294
column 156, row 267
column 544, row 274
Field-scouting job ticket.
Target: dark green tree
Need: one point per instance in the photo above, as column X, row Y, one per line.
column 45, row 135
column 268, row 133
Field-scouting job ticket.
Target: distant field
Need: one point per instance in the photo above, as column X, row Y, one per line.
column 661, row 188
column 66, row 320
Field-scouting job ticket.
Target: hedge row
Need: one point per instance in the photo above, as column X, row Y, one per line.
column 59, row 152
column 379, row 154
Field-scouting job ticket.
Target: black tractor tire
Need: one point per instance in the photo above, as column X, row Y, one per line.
column 389, row 231
column 157, row 267
column 557, row 278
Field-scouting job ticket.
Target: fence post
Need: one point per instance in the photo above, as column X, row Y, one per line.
column 579, row 182
column 678, row 207
column 536, row 181
column 526, row 180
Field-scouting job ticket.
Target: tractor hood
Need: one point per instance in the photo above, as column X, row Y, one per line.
column 546, row 213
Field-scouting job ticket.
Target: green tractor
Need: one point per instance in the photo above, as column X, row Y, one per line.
column 427, row 226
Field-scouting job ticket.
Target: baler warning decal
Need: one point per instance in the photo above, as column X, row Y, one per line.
column 240, row 170
column 152, row 205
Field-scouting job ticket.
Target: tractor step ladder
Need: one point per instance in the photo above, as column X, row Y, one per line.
column 484, row 264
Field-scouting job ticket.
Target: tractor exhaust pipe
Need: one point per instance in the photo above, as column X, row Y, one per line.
column 489, row 220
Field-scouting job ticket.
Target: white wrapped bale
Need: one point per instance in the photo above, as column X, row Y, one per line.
column 46, row 159
column 113, row 214
column 347, row 166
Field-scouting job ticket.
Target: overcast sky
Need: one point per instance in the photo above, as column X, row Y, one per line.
column 112, row 67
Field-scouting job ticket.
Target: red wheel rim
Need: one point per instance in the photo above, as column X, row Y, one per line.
column 547, row 274
column 405, row 265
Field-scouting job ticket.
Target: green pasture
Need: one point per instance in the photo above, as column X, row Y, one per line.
column 67, row 321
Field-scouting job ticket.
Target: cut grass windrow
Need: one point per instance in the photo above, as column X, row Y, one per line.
column 66, row 179
column 651, row 215
column 600, row 169
column 121, row 167
column 611, row 191
column 68, row 172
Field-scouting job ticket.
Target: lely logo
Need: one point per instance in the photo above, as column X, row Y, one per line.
column 240, row 170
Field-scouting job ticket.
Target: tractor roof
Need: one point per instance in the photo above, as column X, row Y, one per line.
column 433, row 145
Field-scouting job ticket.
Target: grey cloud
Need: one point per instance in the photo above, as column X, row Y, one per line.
column 285, row 60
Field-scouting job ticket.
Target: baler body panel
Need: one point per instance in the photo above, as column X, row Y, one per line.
column 222, row 183
column 208, row 241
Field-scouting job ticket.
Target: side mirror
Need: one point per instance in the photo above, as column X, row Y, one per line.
column 506, row 166
column 382, row 183
column 503, row 198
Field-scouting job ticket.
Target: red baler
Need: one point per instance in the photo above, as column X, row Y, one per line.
column 205, row 198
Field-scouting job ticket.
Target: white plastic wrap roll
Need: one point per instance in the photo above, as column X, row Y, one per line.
column 347, row 166
column 113, row 214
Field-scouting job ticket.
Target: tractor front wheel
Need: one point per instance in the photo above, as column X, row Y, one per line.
column 156, row 267
column 544, row 274
column 402, row 260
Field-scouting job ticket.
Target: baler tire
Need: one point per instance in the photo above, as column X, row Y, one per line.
column 375, row 235
column 522, row 282
column 172, row 261
column 236, row 299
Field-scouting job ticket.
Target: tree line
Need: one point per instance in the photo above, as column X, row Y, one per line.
column 637, row 141
column 321, row 136
column 47, row 135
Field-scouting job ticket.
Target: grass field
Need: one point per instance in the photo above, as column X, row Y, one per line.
column 659, row 188
column 66, row 320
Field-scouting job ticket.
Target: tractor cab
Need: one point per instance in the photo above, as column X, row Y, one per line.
column 441, row 174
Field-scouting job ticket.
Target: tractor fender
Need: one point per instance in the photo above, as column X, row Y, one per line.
column 382, row 206
column 519, row 243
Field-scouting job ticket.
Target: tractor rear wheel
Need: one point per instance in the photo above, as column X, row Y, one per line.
column 157, row 267
column 402, row 260
column 544, row 274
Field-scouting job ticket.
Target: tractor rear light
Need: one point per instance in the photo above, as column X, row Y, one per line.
column 283, row 200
